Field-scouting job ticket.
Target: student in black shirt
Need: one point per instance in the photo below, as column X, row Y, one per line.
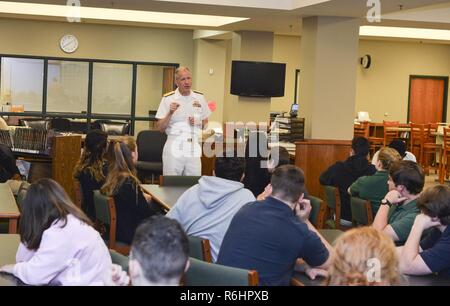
column 92, row 169
column 8, row 168
column 256, row 177
column 132, row 204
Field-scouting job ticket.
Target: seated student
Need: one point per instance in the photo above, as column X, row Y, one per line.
column 431, row 255
column 132, row 205
column 343, row 174
column 398, row 209
column 58, row 244
column 8, row 167
column 91, row 169
column 356, row 252
column 269, row 236
column 159, row 255
column 400, row 146
column 206, row 209
column 374, row 187
column 256, row 177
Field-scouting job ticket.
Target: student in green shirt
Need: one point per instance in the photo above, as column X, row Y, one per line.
column 398, row 209
column 374, row 187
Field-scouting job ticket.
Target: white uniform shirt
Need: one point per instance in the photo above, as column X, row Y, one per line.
column 193, row 105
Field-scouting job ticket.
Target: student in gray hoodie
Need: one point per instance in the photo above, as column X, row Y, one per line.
column 205, row 210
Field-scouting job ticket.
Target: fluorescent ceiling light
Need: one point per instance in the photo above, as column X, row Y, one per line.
column 83, row 12
column 415, row 33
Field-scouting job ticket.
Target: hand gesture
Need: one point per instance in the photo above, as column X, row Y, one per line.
column 116, row 277
column 266, row 193
column 303, row 209
column 394, row 197
column 173, row 107
column 314, row 272
column 425, row 222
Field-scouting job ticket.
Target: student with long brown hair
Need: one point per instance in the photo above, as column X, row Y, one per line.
column 91, row 169
column 58, row 245
column 132, row 205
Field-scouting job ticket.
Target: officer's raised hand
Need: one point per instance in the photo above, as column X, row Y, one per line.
column 173, row 107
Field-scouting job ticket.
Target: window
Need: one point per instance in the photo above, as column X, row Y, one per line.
column 22, row 83
column 67, row 86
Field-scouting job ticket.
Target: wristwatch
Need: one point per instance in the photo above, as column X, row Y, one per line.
column 386, row 202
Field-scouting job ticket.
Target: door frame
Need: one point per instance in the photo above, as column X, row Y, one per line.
column 444, row 78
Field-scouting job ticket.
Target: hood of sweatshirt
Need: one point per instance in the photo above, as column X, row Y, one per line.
column 358, row 165
column 214, row 190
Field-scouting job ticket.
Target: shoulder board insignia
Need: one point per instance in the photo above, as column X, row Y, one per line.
column 169, row 94
column 199, row 92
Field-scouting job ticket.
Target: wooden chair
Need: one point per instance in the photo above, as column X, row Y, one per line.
column 202, row 273
column 389, row 135
column 445, row 169
column 361, row 130
column 417, row 139
column 431, row 149
column 105, row 211
column 199, row 248
column 78, row 193
column 361, row 211
column 333, row 201
column 376, row 143
column 318, row 212
column 178, row 180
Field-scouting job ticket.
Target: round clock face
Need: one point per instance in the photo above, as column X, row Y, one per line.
column 68, row 43
column 366, row 61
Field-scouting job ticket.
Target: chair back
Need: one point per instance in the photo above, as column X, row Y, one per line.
column 119, row 259
column 361, row 211
column 150, row 145
column 361, row 130
column 115, row 128
column 418, row 137
column 446, row 139
column 318, row 210
column 432, row 130
column 199, row 248
column 60, row 124
column 202, row 273
column 36, row 123
column 22, row 193
column 389, row 135
column 333, row 201
column 178, row 180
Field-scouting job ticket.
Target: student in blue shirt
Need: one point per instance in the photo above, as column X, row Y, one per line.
column 431, row 255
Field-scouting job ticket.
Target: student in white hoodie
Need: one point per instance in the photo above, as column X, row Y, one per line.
column 205, row 210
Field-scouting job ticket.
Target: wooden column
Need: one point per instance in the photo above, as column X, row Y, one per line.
column 315, row 156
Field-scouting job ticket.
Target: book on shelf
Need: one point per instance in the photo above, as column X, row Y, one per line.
column 27, row 140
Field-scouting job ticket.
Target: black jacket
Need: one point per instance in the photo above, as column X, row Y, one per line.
column 8, row 167
column 342, row 175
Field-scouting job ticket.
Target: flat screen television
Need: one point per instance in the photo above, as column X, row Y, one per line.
column 257, row 79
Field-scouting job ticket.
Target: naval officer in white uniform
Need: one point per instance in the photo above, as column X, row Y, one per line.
column 182, row 115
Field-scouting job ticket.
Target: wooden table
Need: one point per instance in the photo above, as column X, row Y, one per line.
column 166, row 196
column 9, row 244
column 8, row 208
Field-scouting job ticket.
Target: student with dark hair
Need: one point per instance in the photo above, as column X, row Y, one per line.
column 206, row 209
column 132, row 205
column 159, row 255
column 343, row 174
column 400, row 146
column 398, row 209
column 431, row 254
column 8, row 167
column 256, row 176
column 91, row 169
column 269, row 236
column 58, row 244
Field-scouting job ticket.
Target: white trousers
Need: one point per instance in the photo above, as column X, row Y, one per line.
column 181, row 156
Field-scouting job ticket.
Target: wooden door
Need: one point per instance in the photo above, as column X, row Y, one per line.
column 168, row 80
column 427, row 99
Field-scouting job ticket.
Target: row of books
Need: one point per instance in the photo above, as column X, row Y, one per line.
column 27, row 140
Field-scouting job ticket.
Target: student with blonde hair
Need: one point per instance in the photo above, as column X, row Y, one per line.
column 132, row 205
column 374, row 187
column 364, row 256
